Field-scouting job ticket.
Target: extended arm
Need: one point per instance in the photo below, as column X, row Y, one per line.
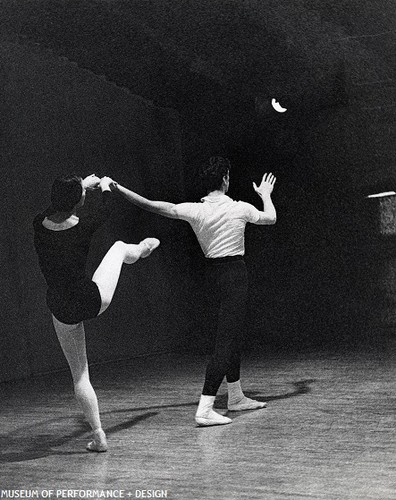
column 157, row 207
column 268, row 214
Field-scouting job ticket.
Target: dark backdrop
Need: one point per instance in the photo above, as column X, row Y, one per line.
column 324, row 275
column 57, row 118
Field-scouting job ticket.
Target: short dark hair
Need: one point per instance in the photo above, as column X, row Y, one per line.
column 66, row 192
column 213, row 172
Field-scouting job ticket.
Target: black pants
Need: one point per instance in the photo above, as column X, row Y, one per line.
column 228, row 287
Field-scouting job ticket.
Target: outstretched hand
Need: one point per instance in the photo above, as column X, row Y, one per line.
column 266, row 186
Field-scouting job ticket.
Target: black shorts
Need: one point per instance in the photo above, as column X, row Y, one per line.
column 75, row 303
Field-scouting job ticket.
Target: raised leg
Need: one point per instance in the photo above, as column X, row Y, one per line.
column 107, row 274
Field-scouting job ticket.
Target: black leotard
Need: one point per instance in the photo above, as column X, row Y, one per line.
column 71, row 296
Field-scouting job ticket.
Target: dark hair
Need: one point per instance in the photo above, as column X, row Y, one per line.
column 213, row 172
column 66, row 192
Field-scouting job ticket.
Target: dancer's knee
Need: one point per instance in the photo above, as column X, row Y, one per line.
column 119, row 245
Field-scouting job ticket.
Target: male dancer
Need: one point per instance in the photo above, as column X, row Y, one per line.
column 219, row 224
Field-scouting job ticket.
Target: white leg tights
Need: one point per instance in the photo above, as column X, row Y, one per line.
column 72, row 341
column 72, row 337
column 107, row 274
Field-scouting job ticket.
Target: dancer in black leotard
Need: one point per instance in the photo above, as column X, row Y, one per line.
column 62, row 241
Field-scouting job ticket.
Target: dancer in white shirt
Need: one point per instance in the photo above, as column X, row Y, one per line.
column 219, row 224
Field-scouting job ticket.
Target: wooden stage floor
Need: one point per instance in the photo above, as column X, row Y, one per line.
column 329, row 432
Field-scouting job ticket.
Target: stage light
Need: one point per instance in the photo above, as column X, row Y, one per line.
column 382, row 195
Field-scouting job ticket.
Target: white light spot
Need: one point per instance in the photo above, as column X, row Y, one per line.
column 277, row 107
column 381, row 195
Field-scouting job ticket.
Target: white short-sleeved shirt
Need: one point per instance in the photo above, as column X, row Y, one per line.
column 219, row 224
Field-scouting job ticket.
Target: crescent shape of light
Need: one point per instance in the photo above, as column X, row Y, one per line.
column 277, row 107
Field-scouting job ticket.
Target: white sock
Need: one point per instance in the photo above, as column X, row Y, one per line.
column 235, row 393
column 205, row 404
column 237, row 401
column 206, row 416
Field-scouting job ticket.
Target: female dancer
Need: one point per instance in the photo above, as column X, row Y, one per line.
column 62, row 240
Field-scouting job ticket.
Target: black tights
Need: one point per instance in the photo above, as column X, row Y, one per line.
column 228, row 285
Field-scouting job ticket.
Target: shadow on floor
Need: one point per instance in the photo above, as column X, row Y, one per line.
column 21, row 445
column 24, row 444
column 301, row 387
